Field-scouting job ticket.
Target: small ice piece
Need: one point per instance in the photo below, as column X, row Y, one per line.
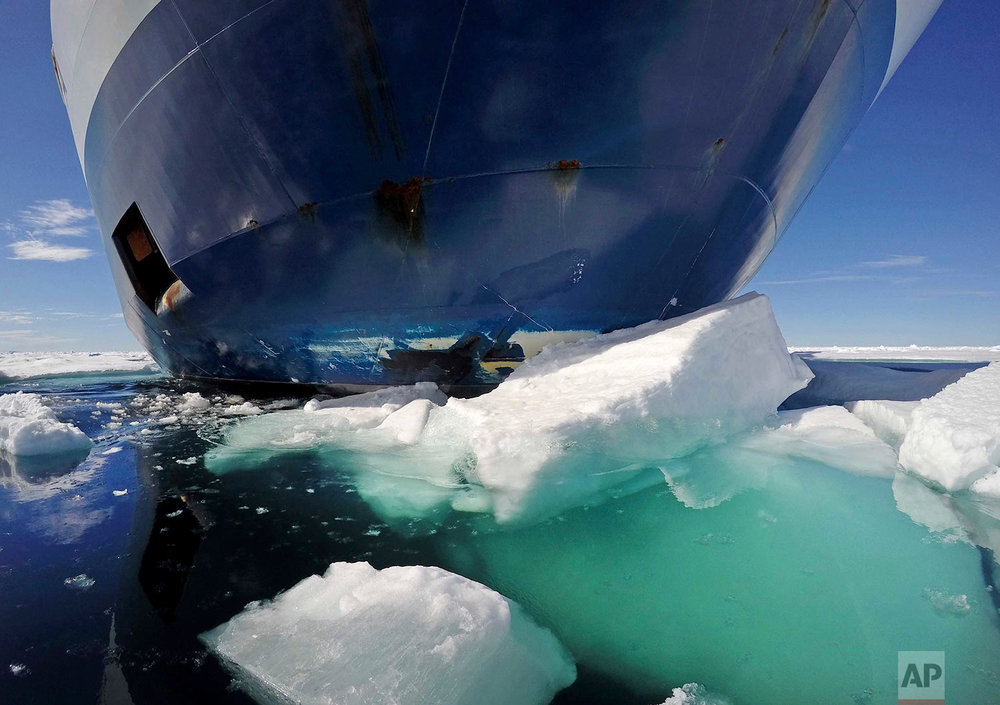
column 167, row 420
column 119, row 493
column 19, row 670
column 262, row 510
column 79, row 582
column 242, row 409
column 405, row 635
column 694, row 694
column 29, row 428
column 112, row 451
column 572, row 424
column 957, row 605
column 954, row 437
column 193, row 401
column 187, row 461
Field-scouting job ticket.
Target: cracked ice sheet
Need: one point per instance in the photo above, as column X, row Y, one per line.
column 576, row 422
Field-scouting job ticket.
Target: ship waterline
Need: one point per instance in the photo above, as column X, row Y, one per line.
column 357, row 193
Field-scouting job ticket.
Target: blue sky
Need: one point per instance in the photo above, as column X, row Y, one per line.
column 897, row 245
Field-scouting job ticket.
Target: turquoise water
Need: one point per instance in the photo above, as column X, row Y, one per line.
column 795, row 583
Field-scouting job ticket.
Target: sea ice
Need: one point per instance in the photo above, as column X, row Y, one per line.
column 567, row 426
column 29, row 428
column 399, row 635
column 953, row 438
column 24, row 365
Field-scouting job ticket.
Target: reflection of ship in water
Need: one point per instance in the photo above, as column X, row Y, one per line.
column 169, row 554
column 185, row 573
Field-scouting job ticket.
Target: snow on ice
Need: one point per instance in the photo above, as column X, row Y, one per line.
column 403, row 635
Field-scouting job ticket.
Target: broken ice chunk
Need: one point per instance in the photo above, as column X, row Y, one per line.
column 953, row 438
column 403, row 635
column 28, row 427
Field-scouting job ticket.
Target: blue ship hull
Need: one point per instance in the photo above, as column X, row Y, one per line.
column 356, row 193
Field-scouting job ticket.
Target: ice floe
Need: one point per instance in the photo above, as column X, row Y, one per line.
column 953, row 438
column 30, row 428
column 568, row 425
column 402, row 635
column 23, row 365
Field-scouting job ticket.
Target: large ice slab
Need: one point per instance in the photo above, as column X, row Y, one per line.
column 953, row 438
column 29, row 428
column 565, row 427
column 403, row 635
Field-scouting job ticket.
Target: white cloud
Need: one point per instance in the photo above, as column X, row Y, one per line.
column 40, row 250
column 40, row 222
column 896, row 261
column 56, row 217
column 16, row 318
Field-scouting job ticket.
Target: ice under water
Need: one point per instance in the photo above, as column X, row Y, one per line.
column 785, row 570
